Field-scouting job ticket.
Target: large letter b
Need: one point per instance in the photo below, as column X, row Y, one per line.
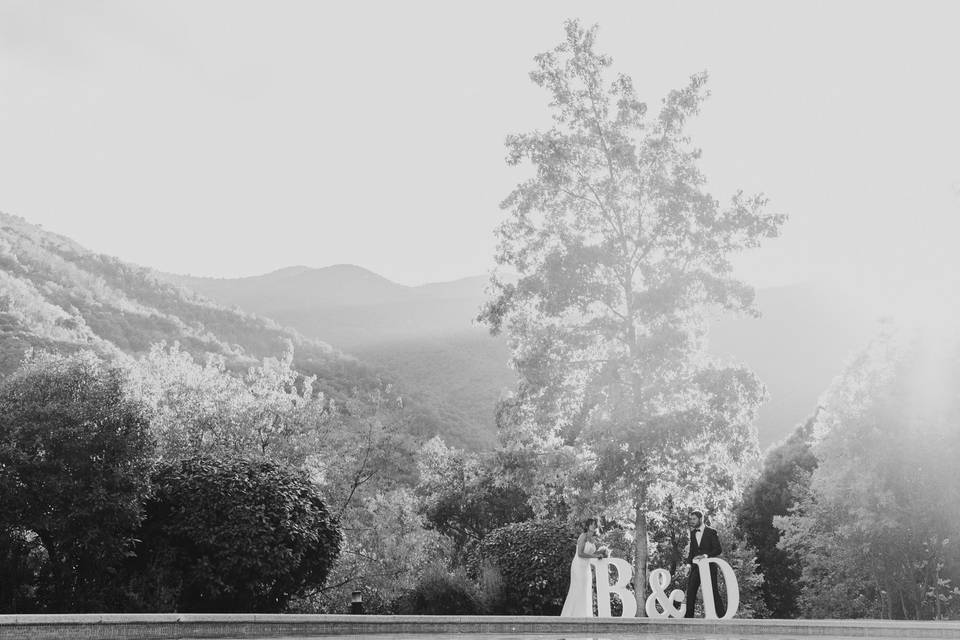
column 604, row 588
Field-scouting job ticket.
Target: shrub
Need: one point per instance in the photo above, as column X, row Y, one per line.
column 439, row 592
column 533, row 559
column 230, row 536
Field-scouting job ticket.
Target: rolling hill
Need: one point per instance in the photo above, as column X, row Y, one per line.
column 56, row 295
column 424, row 335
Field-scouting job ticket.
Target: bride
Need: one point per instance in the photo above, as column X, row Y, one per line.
column 579, row 602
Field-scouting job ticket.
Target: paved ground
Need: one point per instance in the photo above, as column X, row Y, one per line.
column 302, row 627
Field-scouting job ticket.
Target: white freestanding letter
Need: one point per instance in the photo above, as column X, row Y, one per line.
column 604, row 588
column 729, row 578
column 659, row 581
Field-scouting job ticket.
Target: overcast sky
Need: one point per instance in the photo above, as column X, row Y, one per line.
column 233, row 138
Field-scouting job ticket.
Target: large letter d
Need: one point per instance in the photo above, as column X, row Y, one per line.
column 729, row 578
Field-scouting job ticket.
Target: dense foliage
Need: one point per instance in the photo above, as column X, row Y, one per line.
column 223, row 383
column 786, row 471
column 230, row 536
column 463, row 496
column 876, row 530
column 75, row 459
column 356, row 454
column 440, row 592
column 533, row 560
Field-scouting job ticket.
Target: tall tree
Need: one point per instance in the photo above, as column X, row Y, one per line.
column 619, row 252
column 75, row 460
column 786, row 471
column 877, row 528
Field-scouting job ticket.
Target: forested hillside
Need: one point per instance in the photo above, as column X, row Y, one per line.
column 422, row 335
column 56, row 295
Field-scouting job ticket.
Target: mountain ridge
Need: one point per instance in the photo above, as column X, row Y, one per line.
column 56, row 295
column 802, row 340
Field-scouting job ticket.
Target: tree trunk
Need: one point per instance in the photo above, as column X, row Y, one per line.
column 640, row 557
column 674, row 553
column 936, row 592
column 58, row 597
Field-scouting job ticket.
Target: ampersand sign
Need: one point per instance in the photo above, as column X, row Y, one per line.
column 659, row 581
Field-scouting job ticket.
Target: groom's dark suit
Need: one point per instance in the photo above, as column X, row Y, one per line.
column 709, row 545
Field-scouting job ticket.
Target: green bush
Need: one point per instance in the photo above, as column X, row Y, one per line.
column 439, row 592
column 230, row 536
column 533, row 560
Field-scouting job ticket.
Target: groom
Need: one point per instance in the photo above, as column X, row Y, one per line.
column 704, row 542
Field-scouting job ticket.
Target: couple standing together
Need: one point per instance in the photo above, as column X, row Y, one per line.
column 704, row 542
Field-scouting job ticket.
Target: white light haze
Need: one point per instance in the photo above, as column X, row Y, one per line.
column 233, row 138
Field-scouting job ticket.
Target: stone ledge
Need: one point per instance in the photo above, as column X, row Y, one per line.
column 173, row 626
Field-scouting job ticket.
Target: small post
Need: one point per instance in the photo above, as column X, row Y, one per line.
column 356, row 602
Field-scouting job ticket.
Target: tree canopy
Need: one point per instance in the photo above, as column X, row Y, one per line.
column 619, row 253
column 775, row 492
column 75, row 461
column 877, row 527
column 462, row 496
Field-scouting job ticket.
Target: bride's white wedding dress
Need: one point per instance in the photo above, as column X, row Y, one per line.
column 579, row 602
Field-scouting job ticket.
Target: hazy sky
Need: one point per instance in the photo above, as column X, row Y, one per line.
column 233, row 138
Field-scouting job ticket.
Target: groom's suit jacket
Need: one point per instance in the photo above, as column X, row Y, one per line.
column 709, row 544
